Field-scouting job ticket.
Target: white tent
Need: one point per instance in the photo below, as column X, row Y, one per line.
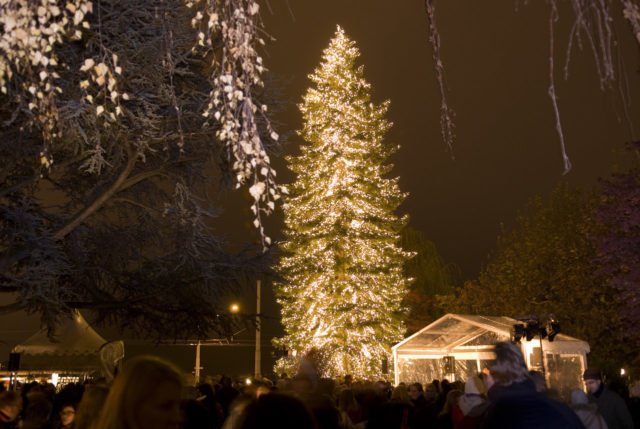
column 457, row 346
column 75, row 348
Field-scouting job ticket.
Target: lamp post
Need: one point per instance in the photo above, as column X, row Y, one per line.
column 257, row 369
column 196, row 376
column 233, row 308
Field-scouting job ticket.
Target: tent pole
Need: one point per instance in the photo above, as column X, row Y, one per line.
column 196, row 377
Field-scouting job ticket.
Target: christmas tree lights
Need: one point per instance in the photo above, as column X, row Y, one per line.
column 342, row 274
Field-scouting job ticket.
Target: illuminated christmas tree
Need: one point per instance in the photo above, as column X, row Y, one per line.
column 342, row 274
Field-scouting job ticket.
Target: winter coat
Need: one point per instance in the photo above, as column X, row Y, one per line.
column 589, row 416
column 613, row 409
column 520, row 406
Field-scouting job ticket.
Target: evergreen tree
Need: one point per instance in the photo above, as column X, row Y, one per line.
column 433, row 280
column 548, row 264
column 343, row 273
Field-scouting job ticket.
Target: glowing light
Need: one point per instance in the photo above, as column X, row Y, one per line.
column 234, row 308
column 622, row 371
column 247, row 381
column 343, row 270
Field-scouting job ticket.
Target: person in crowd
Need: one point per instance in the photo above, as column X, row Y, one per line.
column 431, row 393
column 416, row 394
column 474, row 395
column 327, row 387
column 302, row 386
column 587, row 412
column 276, row 410
column 444, row 388
column 538, row 380
column 445, row 417
column 90, row 406
column 348, row 409
column 226, row 393
column 324, row 411
column 195, row 415
column 400, row 394
column 424, row 412
column 400, row 405
column 634, row 403
column 10, row 407
column 348, row 380
column 610, row 404
column 236, row 410
column 145, row 395
column 38, row 409
column 65, row 416
column 515, row 403
column 474, row 417
column 209, row 400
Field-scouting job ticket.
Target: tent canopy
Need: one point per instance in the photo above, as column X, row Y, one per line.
column 73, row 337
column 75, row 348
column 458, row 333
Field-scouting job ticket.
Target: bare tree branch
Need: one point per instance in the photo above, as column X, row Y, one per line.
column 87, row 211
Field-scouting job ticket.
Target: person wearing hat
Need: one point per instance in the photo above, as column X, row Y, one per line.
column 587, row 412
column 514, row 402
column 472, row 405
column 610, row 404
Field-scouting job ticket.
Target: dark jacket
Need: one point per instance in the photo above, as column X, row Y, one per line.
column 613, row 408
column 521, row 406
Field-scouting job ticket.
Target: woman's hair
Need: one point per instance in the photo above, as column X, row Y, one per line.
column 450, row 401
column 509, row 366
column 90, row 406
column 140, row 377
column 276, row 410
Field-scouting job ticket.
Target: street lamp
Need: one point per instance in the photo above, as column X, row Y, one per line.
column 234, row 308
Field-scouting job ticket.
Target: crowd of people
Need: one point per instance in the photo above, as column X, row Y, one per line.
column 150, row 393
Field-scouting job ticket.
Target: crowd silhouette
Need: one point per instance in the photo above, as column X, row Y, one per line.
column 151, row 393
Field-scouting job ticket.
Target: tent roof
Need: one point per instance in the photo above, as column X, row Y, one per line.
column 73, row 337
column 457, row 330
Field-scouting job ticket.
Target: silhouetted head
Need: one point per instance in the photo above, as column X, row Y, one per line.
column 509, row 366
column 145, row 395
column 276, row 410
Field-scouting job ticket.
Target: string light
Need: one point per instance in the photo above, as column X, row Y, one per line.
column 343, row 273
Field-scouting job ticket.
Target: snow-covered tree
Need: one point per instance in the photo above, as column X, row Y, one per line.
column 114, row 119
column 343, row 279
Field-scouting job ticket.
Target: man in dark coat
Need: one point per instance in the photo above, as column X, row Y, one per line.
column 610, row 404
column 423, row 411
column 514, row 401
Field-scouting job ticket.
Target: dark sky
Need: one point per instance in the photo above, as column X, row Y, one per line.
column 507, row 149
column 496, row 60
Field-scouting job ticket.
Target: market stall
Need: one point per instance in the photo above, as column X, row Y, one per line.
column 457, row 346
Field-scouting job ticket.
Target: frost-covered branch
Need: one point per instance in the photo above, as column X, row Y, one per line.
column 446, row 113
column 593, row 26
column 553, row 17
column 28, row 62
column 237, row 71
column 632, row 13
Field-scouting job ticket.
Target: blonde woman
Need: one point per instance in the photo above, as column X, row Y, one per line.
column 90, row 406
column 145, row 395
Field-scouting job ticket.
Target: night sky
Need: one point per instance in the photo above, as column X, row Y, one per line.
column 496, row 60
